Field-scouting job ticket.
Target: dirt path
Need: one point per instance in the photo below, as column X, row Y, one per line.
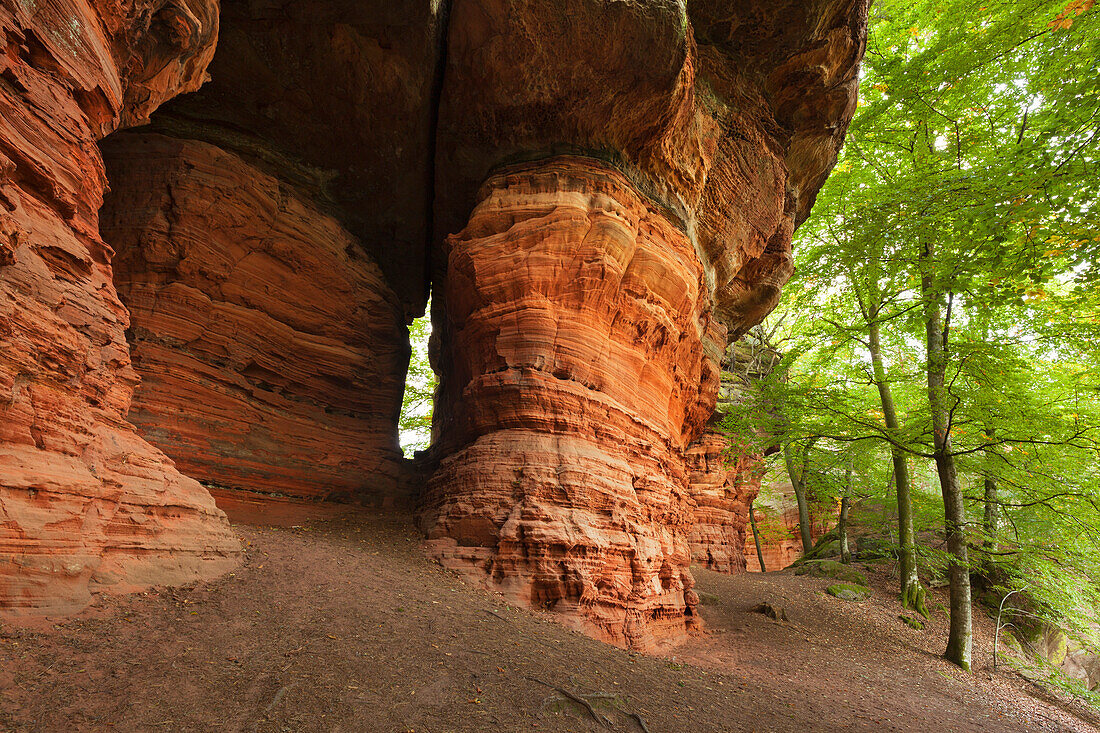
column 848, row 664
column 344, row 625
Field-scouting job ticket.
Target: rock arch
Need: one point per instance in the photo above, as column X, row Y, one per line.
column 601, row 194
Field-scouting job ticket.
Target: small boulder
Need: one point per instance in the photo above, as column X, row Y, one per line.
column 832, row 569
column 849, row 592
column 875, row 548
column 828, row 545
column 773, row 612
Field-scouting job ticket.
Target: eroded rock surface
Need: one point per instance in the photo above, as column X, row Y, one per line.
column 730, row 114
column 726, row 472
column 271, row 349
column 587, row 299
column 85, row 503
column 601, row 193
column 578, row 326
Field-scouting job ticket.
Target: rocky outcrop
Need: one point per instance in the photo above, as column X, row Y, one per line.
column 600, row 193
column 730, row 115
column 723, row 488
column 85, row 503
column 272, row 243
column 270, row 348
column 587, row 299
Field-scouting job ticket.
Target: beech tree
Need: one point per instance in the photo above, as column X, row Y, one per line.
column 953, row 262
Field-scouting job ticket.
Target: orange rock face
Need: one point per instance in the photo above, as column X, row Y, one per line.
column 85, row 503
column 779, row 551
column 730, row 115
column 723, row 490
column 271, row 350
column 600, row 193
column 335, row 98
column 578, row 323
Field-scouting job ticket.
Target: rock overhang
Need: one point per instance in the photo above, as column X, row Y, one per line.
column 386, row 123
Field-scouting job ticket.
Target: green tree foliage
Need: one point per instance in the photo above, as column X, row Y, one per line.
column 415, row 424
column 959, row 239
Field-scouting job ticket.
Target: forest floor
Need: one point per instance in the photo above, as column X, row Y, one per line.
column 343, row 624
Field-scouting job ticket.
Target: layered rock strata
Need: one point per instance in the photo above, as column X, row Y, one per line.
column 723, row 488
column 730, row 114
column 599, row 192
column 271, row 349
column 337, row 98
column 579, row 337
column 577, row 317
column 85, row 503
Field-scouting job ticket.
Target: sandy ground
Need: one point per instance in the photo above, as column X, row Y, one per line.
column 345, row 625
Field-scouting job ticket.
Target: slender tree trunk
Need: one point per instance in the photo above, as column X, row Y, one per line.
column 756, row 539
column 889, row 521
column 799, row 485
column 992, row 503
column 842, row 525
column 989, row 521
column 959, row 639
column 954, row 508
column 912, row 592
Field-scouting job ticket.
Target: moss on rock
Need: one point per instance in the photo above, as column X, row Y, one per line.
column 849, row 591
column 832, row 569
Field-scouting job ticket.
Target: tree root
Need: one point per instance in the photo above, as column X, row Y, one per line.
column 913, row 599
column 577, row 699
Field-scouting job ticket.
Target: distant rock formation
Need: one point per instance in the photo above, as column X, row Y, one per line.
column 777, row 516
column 723, row 487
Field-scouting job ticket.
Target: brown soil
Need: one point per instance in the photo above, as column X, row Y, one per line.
column 344, row 625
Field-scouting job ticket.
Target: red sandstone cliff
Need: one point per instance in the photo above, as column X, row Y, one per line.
column 271, row 238
column 85, row 503
column 601, row 194
column 271, row 350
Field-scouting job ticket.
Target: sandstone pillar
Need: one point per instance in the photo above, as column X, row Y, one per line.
column 580, row 347
column 581, row 300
